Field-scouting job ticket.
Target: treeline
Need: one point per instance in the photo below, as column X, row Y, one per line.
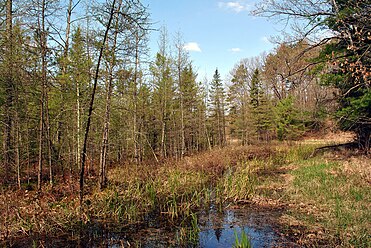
column 78, row 87
column 278, row 96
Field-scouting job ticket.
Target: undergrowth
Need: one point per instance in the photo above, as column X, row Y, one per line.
column 322, row 194
column 342, row 201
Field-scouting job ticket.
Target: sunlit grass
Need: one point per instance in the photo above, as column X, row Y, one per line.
column 243, row 241
column 239, row 182
column 331, row 196
column 342, row 201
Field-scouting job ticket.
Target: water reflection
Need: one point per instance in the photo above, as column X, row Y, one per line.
column 218, row 230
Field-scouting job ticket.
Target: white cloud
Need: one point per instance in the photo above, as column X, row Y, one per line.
column 235, row 50
column 237, row 6
column 192, row 46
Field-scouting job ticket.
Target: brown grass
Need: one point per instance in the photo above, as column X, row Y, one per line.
column 276, row 176
column 128, row 197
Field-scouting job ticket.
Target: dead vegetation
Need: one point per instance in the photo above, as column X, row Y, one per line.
column 313, row 201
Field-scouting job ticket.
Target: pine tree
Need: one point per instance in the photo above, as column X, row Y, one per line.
column 13, row 80
column 217, row 108
column 189, row 92
column 288, row 123
column 70, row 99
column 351, row 70
column 238, row 99
column 79, row 74
column 260, row 108
column 163, row 95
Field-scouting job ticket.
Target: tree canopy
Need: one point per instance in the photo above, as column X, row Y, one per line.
column 344, row 60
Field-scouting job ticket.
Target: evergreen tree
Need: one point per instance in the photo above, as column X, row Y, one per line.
column 345, row 58
column 238, row 99
column 163, row 105
column 217, row 109
column 287, row 120
column 351, row 72
column 255, row 90
column 189, row 90
column 15, row 101
column 77, row 80
column 260, row 109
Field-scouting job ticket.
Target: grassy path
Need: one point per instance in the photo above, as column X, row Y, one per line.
column 325, row 201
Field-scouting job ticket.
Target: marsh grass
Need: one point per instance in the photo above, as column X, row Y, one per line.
column 324, row 194
column 342, row 201
column 329, row 196
column 173, row 190
column 243, row 241
column 239, row 183
column 31, row 213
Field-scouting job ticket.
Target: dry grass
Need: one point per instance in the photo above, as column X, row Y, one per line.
column 175, row 189
column 329, row 202
column 358, row 166
column 322, row 199
column 25, row 212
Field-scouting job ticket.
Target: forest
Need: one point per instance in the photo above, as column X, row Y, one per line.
column 98, row 136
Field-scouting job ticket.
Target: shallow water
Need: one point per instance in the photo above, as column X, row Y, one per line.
column 220, row 229
column 216, row 229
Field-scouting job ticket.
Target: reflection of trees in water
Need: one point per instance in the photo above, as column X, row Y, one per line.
column 217, row 221
column 218, row 233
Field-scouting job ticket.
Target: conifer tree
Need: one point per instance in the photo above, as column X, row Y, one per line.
column 163, row 98
column 79, row 74
column 189, row 92
column 238, row 99
column 8, row 89
column 260, row 109
column 217, row 109
column 287, row 120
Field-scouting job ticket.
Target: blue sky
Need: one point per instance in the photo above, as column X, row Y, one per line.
column 218, row 33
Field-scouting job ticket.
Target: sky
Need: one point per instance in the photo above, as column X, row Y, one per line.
column 216, row 33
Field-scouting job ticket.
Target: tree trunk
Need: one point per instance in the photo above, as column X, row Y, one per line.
column 8, row 106
column 182, row 131
column 27, row 141
column 41, row 137
column 48, row 136
column 224, row 140
column 43, row 102
column 17, row 152
column 163, row 144
column 135, row 100
column 364, row 139
column 64, row 90
column 83, row 158
column 78, row 145
column 17, row 138
column 219, row 127
column 104, row 147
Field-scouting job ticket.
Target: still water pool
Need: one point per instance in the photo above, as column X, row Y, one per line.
column 213, row 229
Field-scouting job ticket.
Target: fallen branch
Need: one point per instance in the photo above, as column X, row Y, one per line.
column 337, row 147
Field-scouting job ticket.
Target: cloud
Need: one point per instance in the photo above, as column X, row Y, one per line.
column 192, row 46
column 235, row 50
column 236, row 6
